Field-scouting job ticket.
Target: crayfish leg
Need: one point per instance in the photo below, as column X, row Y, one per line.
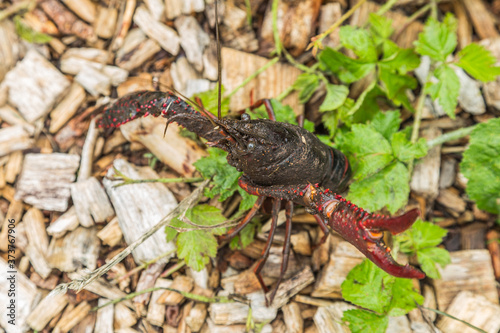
column 231, row 233
column 269, row 108
column 324, row 228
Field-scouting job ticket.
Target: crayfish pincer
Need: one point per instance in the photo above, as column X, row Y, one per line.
column 281, row 161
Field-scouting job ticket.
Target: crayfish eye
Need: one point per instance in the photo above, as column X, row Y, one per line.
column 245, row 117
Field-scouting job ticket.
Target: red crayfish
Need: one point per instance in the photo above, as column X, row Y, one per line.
column 281, row 161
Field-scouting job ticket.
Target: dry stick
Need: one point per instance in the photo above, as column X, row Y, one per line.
column 80, row 283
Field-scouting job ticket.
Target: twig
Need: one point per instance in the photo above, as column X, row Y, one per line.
column 173, row 269
column 128, row 181
column 457, row 134
column 17, row 7
column 80, row 283
column 455, row 318
column 276, row 35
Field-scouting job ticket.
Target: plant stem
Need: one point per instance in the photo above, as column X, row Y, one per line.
column 457, row 134
column 276, row 35
column 17, row 7
column 173, row 269
column 160, row 180
column 251, row 77
column 411, row 19
column 455, row 318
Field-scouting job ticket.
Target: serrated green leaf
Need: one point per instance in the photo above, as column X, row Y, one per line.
column 429, row 257
column 404, row 150
column 380, row 25
column 368, row 148
column 438, row 40
column 368, row 286
column 362, row 321
column 28, row 34
column 386, row 123
column 402, row 61
column 306, row 84
column 210, row 101
column 366, row 106
column 335, row 97
column 347, row 69
column 284, row 113
column 478, row 62
column 403, row 298
column 481, row 166
column 396, row 86
column 446, row 89
column 245, row 236
column 420, row 236
column 387, row 188
column 198, row 246
column 359, row 41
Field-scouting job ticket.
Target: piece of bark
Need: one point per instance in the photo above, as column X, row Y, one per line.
column 174, row 8
column 111, row 234
column 473, row 236
column 474, row 309
column 50, row 283
column 12, row 117
column 146, row 281
column 164, row 35
column 291, row 287
column 71, row 318
column 139, row 207
column 66, row 222
column 14, row 138
column 178, row 152
column 492, row 238
column 27, row 295
column 450, row 198
column 85, row 9
column 448, row 172
column 200, row 278
column 182, row 283
column 94, row 81
column 211, row 327
column 483, row 21
column 342, row 260
column 136, row 50
column 425, row 179
column 192, row 39
column 13, row 166
column 237, row 66
column 399, row 324
column 295, row 25
column 48, row 308
column 77, row 249
column 329, row 14
column 45, row 180
column 469, row 271
column 196, row 317
column 13, row 215
column 75, row 59
column 301, row 243
column 182, row 72
column 105, row 315
column 293, row 318
column 156, row 311
column 464, row 27
column 66, row 21
column 10, row 50
column 67, row 108
column 329, row 318
column 124, row 317
column 91, row 202
column 105, row 23
column 38, row 240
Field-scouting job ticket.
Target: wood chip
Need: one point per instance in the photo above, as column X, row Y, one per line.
column 105, row 23
column 448, row 172
column 91, row 202
column 292, row 286
column 66, row 21
column 301, row 243
column 342, row 260
column 330, row 13
column 67, row 108
column 425, row 179
column 38, row 239
column 182, row 283
column 85, row 9
column 48, row 308
column 469, row 271
column 196, row 317
column 474, row 309
column 470, row 97
column 71, row 318
column 66, row 222
column 105, row 315
column 111, row 234
column 136, row 50
column 174, row 8
column 146, row 281
column 45, row 180
column 192, row 39
column 156, row 311
column 451, row 199
column 329, row 318
column 293, row 318
column 12, row 117
column 482, row 19
column 94, row 81
column 27, row 296
column 164, row 35
column 77, row 249
column 13, row 139
column 139, row 207
column 34, row 86
column 9, row 52
column 124, row 317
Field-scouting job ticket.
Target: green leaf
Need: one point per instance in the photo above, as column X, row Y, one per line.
column 368, row 148
column 396, row 86
column 335, row 97
column 245, row 236
column 386, row 123
column 359, row 41
column 198, row 246
column 404, row 150
column 429, row 257
column 387, row 188
column 306, row 84
column 347, row 69
column 361, row 321
column 478, row 62
column 210, row 101
column 366, row 106
column 28, row 34
column 403, row 298
column 401, row 61
column 380, row 25
column 446, row 89
column 438, row 40
column 420, row 236
column 481, row 166
column 368, row 286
